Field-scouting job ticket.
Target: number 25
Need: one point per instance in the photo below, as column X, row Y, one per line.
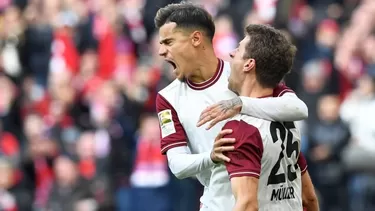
column 291, row 146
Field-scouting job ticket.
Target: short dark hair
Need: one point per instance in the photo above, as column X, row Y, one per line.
column 186, row 15
column 272, row 51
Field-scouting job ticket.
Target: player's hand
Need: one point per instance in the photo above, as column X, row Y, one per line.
column 220, row 111
column 222, row 145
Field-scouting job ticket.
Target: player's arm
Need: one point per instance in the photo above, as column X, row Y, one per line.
column 283, row 106
column 309, row 199
column 287, row 107
column 245, row 165
column 182, row 163
column 245, row 191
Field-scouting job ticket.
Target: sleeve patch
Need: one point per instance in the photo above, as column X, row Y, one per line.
column 166, row 123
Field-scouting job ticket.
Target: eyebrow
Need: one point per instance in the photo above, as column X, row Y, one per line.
column 165, row 40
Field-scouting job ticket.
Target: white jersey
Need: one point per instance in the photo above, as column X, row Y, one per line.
column 179, row 106
column 269, row 151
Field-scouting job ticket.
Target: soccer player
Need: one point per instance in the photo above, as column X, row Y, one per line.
column 186, row 32
column 266, row 169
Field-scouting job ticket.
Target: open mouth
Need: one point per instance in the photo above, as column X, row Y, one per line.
column 172, row 63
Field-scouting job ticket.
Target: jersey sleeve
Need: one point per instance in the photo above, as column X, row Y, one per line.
column 245, row 160
column 281, row 89
column 283, row 106
column 302, row 163
column 172, row 132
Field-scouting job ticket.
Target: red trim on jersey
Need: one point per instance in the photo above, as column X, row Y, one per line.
column 245, row 160
column 176, row 139
column 209, row 82
column 265, row 96
column 302, row 163
column 172, row 145
column 281, row 89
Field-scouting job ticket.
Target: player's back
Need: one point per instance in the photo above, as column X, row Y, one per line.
column 280, row 185
column 279, row 174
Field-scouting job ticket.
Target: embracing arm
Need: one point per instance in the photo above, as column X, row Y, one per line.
column 287, row 107
column 283, row 106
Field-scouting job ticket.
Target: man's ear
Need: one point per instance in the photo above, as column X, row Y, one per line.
column 196, row 38
column 249, row 65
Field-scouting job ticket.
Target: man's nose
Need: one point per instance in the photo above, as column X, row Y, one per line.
column 162, row 51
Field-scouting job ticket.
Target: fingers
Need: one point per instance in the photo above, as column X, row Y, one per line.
column 224, row 141
column 206, row 110
column 225, row 149
column 223, row 133
column 215, row 121
column 207, row 115
column 223, row 158
column 204, row 120
column 223, row 145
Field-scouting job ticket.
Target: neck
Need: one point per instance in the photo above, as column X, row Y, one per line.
column 206, row 66
column 251, row 88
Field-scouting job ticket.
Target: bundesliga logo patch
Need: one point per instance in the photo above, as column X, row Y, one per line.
column 166, row 123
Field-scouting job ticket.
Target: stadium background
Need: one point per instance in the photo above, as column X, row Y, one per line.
column 78, row 80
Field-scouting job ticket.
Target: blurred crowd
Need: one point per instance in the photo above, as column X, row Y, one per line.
column 78, row 80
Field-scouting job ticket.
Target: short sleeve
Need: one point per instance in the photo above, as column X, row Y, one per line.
column 245, row 160
column 281, row 89
column 302, row 163
column 171, row 130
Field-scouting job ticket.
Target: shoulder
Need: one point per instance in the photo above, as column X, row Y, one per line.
column 172, row 87
column 244, row 131
column 245, row 159
column 164, row 98
column 250, row 123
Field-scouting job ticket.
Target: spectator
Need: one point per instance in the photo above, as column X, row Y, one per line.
column 150, row 176
column 69, row 191
column 14, row 194
column 358, row 111
column 328, row 137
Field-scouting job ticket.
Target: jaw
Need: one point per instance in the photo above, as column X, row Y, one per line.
column 172, row 63
column 176, row 70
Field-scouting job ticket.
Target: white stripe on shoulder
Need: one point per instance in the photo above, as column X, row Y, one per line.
column 304, row 169
column 173, row 145
column 244, row 173
column 285, row 91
